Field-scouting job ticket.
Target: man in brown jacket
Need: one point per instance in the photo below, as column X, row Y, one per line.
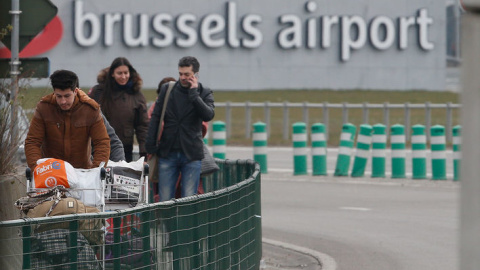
column 66, row 124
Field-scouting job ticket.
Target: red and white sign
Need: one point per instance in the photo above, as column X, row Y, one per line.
column 43, row 42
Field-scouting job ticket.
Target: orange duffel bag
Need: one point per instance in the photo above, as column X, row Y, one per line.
column 52, row 172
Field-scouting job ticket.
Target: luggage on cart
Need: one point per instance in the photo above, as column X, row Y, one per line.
column 90, row 228
column 125, row 184
column 54, row 202
column 51, row 250
column 120, row 185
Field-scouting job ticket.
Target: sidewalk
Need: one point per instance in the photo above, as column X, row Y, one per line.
column 276, row 257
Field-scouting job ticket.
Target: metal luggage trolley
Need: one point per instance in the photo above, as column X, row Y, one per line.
column 121, row 188
column 125, row 187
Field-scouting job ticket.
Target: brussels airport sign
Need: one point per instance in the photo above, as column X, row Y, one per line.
column 243, row 30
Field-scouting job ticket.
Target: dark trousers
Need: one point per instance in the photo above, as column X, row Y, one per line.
column 128, row 149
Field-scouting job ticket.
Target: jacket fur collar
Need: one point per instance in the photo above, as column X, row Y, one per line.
column 102, row 77
column 81, row 97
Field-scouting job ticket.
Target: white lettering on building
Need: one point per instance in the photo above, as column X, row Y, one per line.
column 213, row 29
column 229, row 29
column 354, row 31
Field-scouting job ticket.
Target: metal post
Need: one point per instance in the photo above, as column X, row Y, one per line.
column 365, row 113
column 448, row 124
column 344, row 113
column 268, row 121
column 386, row 117
column 407, row 121
column 248, row 117
column 14, row 66
column 286, row 127
column 228, row 116
column 428, row 118
column 470, row 189
column 325, row 119
column 305, row 113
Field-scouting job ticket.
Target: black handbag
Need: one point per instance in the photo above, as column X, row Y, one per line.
column 209, row 165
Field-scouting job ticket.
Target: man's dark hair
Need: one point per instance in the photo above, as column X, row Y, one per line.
column 64, row 79
column 189, row 61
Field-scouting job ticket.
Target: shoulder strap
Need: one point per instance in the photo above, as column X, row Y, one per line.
column 165, row 101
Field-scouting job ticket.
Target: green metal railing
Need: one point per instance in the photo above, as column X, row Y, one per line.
column 220, row 229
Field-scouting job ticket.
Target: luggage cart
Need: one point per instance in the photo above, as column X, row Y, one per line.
column 120, row 189
column 125, row 187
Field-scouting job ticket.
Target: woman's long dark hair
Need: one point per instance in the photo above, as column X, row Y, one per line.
column 109, row 83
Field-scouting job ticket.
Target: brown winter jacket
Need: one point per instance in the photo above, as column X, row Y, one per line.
column 128, row 111
column 67, row 135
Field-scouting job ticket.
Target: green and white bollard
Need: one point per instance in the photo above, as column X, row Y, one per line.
column 299, row 148
column 260, row 145
column 347, row 139
column 219, row 142
column 379, row 145
column 419, row 152
column 457, row 148
column 438, row 152
column 364, row 140
column 319, row 149
column 397, row 142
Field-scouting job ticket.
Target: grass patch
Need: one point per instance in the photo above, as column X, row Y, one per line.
column 355, row 116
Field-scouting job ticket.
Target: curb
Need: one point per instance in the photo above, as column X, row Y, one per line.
column 327, row 262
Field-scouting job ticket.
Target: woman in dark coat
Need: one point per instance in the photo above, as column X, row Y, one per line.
column 119, row 94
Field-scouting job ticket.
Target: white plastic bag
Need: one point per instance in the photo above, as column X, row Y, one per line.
column 136, row 165
column 124, row 180
column 89, row 187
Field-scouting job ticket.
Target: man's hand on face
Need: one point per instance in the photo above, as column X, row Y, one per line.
column 193, row 81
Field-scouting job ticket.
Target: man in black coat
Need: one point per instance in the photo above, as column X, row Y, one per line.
column 180, row 149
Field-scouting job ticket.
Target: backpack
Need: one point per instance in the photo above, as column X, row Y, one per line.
column 90, row 228
column 50, row 250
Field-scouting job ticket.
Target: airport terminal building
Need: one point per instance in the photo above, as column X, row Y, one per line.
column 261, row 44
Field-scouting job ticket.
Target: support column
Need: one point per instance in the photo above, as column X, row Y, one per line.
column 438, row 154
column 364, row 140
column 319, row 149
column 457, row 148
column 299, row 148
column 379, row 145
column 419, row 152
column 219, row 142
column 397, row 141
column 347, row 139
column 260, row 145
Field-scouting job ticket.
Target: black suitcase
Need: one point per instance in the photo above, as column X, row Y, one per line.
column 50, row 250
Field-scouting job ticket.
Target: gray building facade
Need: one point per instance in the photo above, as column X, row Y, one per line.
column 260, row 44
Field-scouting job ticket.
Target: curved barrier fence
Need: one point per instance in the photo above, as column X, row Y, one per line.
column 220, row 229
